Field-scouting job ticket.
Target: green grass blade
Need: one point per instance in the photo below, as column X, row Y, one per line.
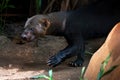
column 50, row 74
column 100, row 74
column 40, row 76
column 110, row 70
column 104, row 63
column 11, row 6
column 88, row 53
column 38, row 5
column 82, row 73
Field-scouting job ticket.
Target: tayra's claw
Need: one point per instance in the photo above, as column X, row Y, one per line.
column 54, row 61
column 76, row 63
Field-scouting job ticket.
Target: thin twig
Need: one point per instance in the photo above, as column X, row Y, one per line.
column 74, row 4
column 50, row 4
column 65, row 5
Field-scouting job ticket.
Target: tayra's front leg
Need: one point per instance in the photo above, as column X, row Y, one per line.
column 70, row 51
column 62, row 55
column 75, row 48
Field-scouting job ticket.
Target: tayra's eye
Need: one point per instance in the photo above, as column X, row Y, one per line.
column 30, row 22
column 32, row 29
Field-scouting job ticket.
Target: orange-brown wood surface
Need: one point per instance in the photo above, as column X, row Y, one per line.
column 111, row 45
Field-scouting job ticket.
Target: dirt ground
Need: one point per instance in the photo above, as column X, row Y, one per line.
column 23, row 61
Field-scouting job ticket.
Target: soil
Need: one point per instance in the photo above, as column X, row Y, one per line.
column 20, row 61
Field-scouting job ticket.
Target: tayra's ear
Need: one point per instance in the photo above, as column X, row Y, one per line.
column 45, row 22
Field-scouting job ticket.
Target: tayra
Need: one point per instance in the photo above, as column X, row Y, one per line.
column 76, row 26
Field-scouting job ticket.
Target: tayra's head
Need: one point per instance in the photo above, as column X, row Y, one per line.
column 34, row 27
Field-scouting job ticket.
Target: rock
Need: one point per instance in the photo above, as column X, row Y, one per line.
column 111, row 45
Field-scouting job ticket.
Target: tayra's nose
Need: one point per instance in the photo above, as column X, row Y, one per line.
column 23, row 37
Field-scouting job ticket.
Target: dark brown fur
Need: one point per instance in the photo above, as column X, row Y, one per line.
column 76, row 26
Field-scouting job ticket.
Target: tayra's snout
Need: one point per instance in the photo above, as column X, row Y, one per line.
column 23, row 37
column 27, row 36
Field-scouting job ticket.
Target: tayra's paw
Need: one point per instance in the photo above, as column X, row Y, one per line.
column 54, row 61
column 77, row 63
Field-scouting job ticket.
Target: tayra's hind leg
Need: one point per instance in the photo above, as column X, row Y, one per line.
column 76, row 40
column 80, row 54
